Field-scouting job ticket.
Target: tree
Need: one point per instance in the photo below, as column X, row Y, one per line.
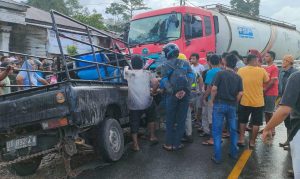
column 115, row 25
column 47, row 5
column 67, row 7
column 125, row 8
column 72, row 50
column 246, row 6
column 71, row 8
column 93, row 19
column 123, row 12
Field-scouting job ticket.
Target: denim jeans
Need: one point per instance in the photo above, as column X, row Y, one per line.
column 188, row 123
column 206, row 118
column 223, row 111
column 176, row 113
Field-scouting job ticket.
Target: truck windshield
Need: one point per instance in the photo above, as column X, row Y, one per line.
column 160, row 28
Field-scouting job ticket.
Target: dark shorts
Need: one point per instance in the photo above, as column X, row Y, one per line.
column 256, row 113
column 269, row 104
column 135, row 117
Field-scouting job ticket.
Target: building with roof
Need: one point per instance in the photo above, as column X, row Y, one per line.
column 11, row 13
column 28, row 30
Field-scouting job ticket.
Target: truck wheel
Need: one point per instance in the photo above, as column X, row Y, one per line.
column 110, row 140
column 27, row 167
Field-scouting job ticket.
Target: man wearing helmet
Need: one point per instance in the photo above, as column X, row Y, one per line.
column 177, row 77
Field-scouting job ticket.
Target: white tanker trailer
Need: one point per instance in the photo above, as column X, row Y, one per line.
column 240, row 32
column 211, row 29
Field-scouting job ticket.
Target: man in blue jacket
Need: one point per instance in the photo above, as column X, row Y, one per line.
column 177, row 77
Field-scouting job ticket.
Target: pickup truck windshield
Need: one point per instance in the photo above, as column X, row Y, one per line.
column 155, row 29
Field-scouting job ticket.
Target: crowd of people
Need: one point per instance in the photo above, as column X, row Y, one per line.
column 225, row 98
column 23, row 74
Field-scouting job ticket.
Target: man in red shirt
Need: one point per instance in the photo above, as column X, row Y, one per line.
column 271, row 87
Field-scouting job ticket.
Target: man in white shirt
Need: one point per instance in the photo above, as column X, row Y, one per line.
column 196, row 67
column 197, row 87
column 140, row 100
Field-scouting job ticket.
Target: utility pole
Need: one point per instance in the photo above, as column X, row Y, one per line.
column 182, row 2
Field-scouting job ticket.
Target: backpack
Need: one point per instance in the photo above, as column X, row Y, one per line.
column 178, row 77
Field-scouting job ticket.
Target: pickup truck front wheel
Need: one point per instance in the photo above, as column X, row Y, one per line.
column 26, row 168
column 110, row 140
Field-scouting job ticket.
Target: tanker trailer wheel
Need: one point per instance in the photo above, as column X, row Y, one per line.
column 27, row 167
column 110, row 140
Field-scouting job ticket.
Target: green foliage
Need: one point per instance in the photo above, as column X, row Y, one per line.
column 116, row 25
column 72, row 50
column 71, row 8
column 118, row 10
column 246, row 6
column 126, row 8
column 93, row 19
column 123, row 12
column 67, row 7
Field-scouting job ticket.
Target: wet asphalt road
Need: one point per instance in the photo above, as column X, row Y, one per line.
column 269, row 162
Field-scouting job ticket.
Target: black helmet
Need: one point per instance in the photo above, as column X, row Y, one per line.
column 171, row 50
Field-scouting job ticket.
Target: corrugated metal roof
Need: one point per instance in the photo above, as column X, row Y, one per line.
column 37, row 15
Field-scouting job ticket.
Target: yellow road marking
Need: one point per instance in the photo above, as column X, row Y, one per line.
column 239, row 166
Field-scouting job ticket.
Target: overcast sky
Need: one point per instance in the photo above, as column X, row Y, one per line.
column 285, row 10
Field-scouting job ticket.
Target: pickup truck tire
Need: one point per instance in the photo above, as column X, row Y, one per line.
column 110, row 140
column 26, row 168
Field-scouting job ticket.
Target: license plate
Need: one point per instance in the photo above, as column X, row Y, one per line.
column 24, row 142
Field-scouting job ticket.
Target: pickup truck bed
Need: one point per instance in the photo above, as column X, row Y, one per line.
column 85, row 103
column 69, row 117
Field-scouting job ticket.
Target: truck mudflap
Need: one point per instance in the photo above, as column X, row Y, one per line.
column 32, row 108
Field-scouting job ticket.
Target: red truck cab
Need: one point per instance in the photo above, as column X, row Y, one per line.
column 191, row 28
